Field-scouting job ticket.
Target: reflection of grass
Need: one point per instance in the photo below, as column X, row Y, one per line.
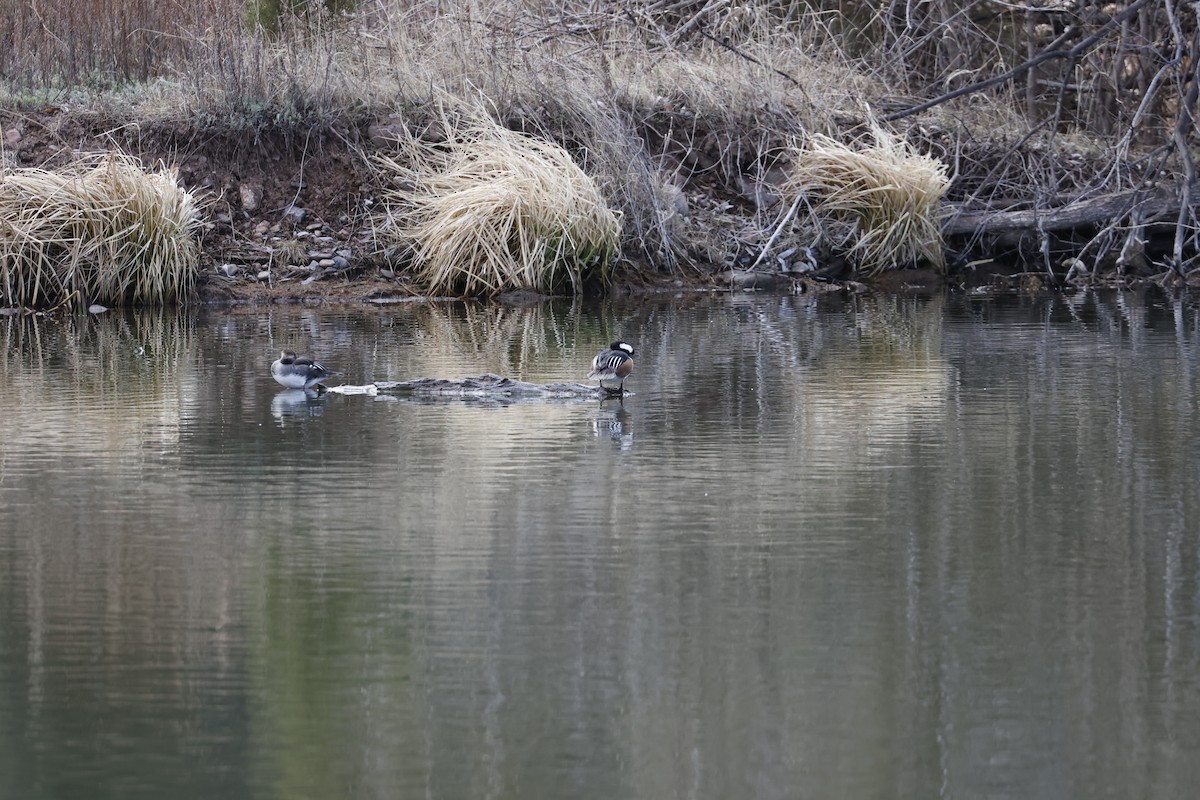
column 896, row 331
column 512, row 342
column 893, row 369
column 126, row 361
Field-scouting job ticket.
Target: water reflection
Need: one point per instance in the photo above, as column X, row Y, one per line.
column 297, row 404
column 865, row 547
column 613, row 421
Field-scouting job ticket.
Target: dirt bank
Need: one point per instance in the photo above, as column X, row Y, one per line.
column 289, row 219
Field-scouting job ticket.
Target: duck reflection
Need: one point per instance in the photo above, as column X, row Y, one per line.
column 612, row 421
column 298, row 404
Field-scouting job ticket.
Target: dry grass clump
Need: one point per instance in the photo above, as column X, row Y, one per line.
column 103, row 227
column 492, row 209
column 878, row 202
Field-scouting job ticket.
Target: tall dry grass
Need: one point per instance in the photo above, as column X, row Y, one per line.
column 490, row 209
column 103, row 229
column 878, row 200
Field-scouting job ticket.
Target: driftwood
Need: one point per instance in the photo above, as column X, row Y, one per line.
column 485, row 387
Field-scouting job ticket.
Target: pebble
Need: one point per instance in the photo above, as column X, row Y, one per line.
column 341, row 263
column 96, row 308
column 264, row 275
column 228, row 270
column 310, row 279
column 325, row 262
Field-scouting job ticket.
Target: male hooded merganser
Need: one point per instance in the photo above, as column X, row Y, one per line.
column 298, row 372
column 613, row 364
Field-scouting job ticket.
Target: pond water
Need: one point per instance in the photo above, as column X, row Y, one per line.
column 866, row 548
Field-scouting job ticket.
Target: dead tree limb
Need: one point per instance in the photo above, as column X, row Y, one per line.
column 1150, row 205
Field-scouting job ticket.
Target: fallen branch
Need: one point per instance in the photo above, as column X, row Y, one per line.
column 1150, row 205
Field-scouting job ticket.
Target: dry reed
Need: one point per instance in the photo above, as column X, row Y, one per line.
column 879, row 202
column 103, row 229
column 492, row 209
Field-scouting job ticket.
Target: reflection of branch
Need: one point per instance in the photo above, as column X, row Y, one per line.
column 1046, row 55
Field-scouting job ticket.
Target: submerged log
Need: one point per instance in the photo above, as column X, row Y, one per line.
column 485, row 387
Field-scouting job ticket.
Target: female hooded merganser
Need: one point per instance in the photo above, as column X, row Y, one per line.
column 298, row 372
column 613, row 364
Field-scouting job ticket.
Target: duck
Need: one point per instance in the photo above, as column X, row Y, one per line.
column 298, row 372
column 613, row 364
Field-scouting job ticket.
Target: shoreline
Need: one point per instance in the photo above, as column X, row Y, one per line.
column 272, row 201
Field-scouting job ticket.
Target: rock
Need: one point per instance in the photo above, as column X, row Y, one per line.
column 295, row 213
column 251, row 194
column 262, row 228
column 96, row 308
column 316, row 276
column 387, row 273
column 228, row 270
column 345, row 252
column 341, row 263
column 11, row 137
column 264, row 275
column 325, row 262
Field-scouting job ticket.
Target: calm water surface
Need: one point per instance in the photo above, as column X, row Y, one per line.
column 868, row 549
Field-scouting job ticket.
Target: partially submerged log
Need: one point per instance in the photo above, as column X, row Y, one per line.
column 485, row 387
